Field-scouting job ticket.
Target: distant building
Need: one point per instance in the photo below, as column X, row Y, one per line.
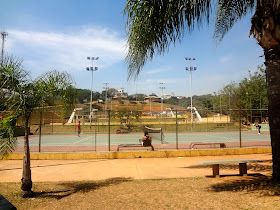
column 120, row 91
column 152, row 99
column 180, row 97
column 166, row 96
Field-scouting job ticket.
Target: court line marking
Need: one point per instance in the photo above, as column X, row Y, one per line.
column 81, row 140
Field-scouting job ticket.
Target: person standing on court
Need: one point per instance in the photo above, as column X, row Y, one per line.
column 259, row 128
column 79, row 128
column 147, row 140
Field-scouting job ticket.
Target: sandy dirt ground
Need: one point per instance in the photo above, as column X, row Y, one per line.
column 140, row 168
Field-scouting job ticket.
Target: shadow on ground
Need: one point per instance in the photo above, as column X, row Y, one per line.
column 69, row 188
column 264, row 166
column 262, row 184
column 58, row 164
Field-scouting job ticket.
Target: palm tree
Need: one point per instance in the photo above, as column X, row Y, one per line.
column 154, row 25
column 24, row 96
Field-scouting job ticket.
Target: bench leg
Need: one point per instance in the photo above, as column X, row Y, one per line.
column 216, row 172
column 243, row 169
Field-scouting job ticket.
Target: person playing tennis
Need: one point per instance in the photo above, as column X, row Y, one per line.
column 79, row 129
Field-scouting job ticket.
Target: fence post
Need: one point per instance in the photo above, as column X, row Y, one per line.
column 176, row 129
column 207, row 119
column 109, row 141
column 40, row 131
column 95, row 133
column 240, row 139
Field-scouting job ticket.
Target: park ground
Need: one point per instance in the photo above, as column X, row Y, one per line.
column 142, row 183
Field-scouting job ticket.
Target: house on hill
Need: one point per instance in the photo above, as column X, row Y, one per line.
column 152, row 99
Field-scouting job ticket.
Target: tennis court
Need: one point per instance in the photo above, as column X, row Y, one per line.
column 105, row 142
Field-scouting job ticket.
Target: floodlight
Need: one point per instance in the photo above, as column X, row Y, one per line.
column 91, row 69
column 190, row 69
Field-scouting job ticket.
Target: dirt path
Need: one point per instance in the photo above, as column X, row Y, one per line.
column 140, row 168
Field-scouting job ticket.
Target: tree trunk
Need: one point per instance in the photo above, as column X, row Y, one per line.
column 273, row 93
column 266, row 30
column 26, row 183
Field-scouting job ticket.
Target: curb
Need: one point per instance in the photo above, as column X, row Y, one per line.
column 139, row 154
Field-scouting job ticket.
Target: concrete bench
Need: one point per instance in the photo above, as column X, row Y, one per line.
column 5, row 204
column 134, row 146
column 242, row 165
column 220, row 144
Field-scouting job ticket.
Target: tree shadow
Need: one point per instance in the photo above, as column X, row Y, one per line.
column 50, row 165
column 70, row 188
column 261, row 184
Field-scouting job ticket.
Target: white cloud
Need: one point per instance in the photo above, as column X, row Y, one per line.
column 154, row 71
column 44, row 51
column 225, row 59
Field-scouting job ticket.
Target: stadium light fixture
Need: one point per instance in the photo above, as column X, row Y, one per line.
column 190, row 69
column 91, row 69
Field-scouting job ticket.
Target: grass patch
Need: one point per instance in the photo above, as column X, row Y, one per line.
column 252, row 192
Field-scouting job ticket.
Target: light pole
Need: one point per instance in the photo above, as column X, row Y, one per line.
column 91, row 69
column 162, row 88
column 220, row 107
column 106, row 89
column 191, row 69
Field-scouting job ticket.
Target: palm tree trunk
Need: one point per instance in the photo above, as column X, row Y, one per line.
column 266, row 30
column 272, row 63
column 26, row 183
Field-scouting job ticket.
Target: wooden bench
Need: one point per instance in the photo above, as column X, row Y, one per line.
column 5, row 204
column 242, row 165
column 221, row 144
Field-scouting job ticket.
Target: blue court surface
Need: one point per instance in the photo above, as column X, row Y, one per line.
column 133, row 138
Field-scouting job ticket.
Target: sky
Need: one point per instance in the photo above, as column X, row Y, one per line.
column 60, row 35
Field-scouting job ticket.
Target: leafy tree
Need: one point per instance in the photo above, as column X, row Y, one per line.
column 25, row 97
column 250, row 93
column 153, row 94
column 153, row 25
column 138, row 97
column 83, row 95
column 128, row 115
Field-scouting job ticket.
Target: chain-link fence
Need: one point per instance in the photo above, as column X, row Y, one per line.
column 170, row 130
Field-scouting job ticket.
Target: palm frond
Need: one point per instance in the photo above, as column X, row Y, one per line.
column 8, row 141
column 228, row 12
column 152, row 25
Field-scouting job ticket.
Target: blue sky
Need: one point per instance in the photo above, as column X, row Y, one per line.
column 52, row 34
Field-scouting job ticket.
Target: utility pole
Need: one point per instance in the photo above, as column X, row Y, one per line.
column 3, row 36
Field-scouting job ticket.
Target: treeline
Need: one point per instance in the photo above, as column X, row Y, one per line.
column 249, row 93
